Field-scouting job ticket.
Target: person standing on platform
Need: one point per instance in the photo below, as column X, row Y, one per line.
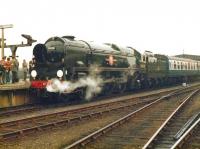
column 8, row 68
column 1, row 72
column 34, row 63
column 2, row 69
column 25, row 68
column 17, row 76
column 14, row 68
column 30, row 66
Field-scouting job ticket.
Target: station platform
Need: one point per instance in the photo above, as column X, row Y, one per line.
column 14, row 94
column 15, row 86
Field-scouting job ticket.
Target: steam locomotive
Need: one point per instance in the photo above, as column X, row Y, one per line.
column 120, row 68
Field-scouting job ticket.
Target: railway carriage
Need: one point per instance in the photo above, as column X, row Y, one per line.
column 164, row 70
column 183, row 68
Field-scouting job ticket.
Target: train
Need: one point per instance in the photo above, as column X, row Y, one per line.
column 65, row 59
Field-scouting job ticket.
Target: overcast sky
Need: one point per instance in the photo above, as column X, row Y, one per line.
column 161, row 26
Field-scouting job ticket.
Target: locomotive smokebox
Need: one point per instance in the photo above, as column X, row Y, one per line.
column 40, row 53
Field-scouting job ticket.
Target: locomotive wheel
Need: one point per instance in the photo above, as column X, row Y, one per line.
column 108, row 89
column 122, row 87
column 82, row 93
column 63, row 97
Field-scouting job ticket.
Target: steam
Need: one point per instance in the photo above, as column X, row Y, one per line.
column 92, row 83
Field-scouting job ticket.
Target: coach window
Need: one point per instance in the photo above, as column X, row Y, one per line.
column 185, row 64
column 178, row 65
column 181, row 67
column 143, row 58
column 174, row 64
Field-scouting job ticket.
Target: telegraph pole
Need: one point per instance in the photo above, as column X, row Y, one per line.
column 2, row 27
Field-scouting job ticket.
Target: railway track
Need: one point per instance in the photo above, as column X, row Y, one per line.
column 31, row 108
column 17, row 110
column 175, row 125
column 135, row 130
column 4, row 112
column 191, row 138
column 17, row 128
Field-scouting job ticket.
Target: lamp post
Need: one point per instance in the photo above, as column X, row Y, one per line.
column 2, row 27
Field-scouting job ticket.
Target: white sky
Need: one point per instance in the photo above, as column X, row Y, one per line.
column 161, row 26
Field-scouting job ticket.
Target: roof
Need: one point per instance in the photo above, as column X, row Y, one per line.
column 188, row 56
column 180, row 59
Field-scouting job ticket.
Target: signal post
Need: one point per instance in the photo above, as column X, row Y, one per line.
column 14, row 47
column 2, row 27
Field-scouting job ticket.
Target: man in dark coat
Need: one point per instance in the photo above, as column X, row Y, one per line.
column 2, row 69
column 14, row 69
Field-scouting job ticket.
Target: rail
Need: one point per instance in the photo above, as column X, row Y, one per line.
column 187, row 134
column 187, row 126
column 150, row 143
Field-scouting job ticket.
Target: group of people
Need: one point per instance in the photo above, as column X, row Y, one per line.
column 9, row 70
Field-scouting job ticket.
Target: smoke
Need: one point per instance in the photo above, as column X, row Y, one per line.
column 92, row 83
